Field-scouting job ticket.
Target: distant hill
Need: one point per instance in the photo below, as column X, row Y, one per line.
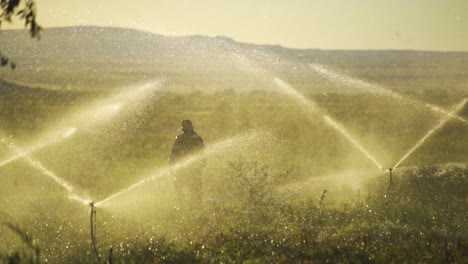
column 102, row 57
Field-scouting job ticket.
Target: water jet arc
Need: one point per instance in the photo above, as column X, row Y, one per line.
column 213, row 149
column 341, row 130
column 45, row 171
column 105, row 109
column 362, row 84
column 313, row 108
column 442, row 122
column 21, row 153
column 39, row 166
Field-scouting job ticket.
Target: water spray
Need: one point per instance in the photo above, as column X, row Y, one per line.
column 215, row 148
column 343, row 132
column 313, row 108
column 106, row 109
column 350, row 81
column 103, row 109
column 288, row 89
column 40, row 167
column 362, row 84
column 79, row 199
column 442, row 122
column 21, row 153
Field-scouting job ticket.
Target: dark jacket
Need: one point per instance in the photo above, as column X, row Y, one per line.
column 185, row 144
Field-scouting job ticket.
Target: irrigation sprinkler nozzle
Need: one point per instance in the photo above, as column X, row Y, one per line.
column 390, row 170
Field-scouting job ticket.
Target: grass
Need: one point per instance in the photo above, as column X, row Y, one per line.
column 31, row 255
column 423, row 220
column 412, row 225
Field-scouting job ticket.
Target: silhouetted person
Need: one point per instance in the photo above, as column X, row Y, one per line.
column 188, row 176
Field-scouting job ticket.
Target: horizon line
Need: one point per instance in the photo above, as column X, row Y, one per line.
column 241, row 42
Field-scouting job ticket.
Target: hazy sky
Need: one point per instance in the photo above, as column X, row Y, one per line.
column 325, row 24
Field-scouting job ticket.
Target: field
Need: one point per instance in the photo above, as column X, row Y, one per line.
column 298, row 146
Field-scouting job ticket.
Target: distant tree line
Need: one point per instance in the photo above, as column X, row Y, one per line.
column 26, row 11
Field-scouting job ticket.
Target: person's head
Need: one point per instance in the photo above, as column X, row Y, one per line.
column 187, row 126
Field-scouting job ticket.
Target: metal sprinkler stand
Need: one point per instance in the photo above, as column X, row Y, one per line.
column 390, row 181
column 92, row 218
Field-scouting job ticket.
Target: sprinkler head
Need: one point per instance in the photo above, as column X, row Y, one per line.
column 91, row 204
column 390, row 169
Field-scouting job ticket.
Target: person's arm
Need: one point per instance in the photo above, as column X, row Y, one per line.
column 174, row 151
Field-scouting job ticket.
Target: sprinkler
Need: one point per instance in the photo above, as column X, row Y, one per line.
column 92, row 218
column 322, row 198
column 390, row 180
